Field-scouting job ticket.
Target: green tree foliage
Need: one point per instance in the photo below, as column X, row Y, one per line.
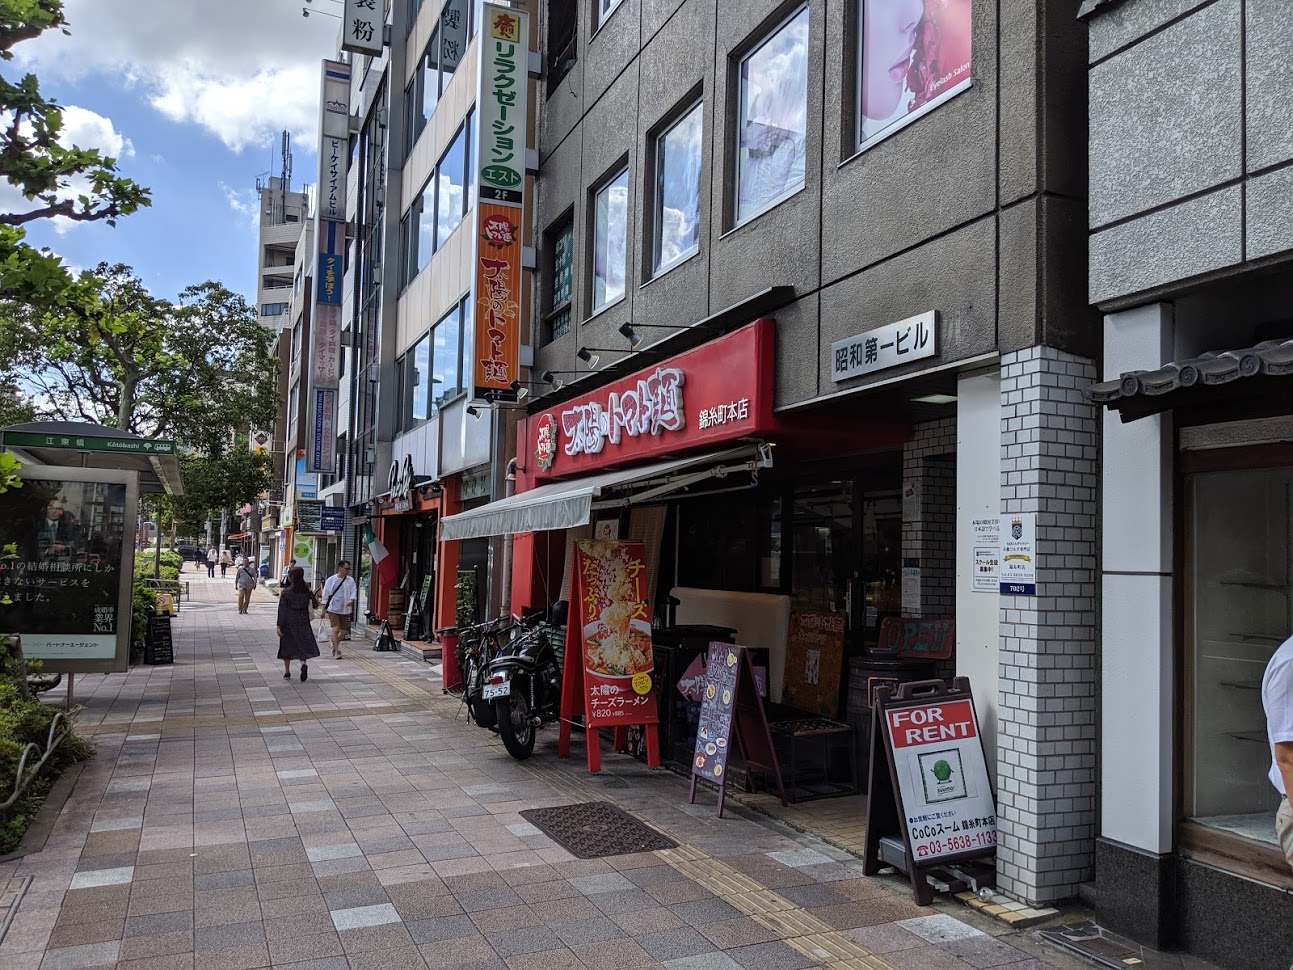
column 193, row 370
column 55, row 178
column 215, row 483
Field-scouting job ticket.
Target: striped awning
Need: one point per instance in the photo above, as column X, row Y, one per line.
column 1139, row 393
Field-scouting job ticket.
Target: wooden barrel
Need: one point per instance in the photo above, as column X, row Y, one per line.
column 396, row 618
column 398, row 600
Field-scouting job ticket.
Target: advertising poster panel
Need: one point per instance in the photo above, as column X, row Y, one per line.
column 907, row 73
column 66, row 565
column 615, row 632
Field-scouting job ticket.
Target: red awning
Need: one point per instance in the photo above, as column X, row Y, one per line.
column 238, row 535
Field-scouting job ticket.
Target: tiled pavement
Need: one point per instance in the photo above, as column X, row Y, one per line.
column 232, row 819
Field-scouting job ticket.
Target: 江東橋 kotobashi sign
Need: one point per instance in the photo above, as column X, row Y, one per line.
column 721, row 391
column 502, row 101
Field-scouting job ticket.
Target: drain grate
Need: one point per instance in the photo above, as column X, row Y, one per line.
column 1096, row 944
column 591, row 830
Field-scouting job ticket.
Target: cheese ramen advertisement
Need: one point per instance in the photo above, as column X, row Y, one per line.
column 615, row 628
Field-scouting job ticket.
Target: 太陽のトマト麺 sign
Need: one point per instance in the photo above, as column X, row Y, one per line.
column 720, row 391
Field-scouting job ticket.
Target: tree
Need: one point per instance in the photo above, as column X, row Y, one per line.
column 214, row 484
column 193, row 370
column 59, row 179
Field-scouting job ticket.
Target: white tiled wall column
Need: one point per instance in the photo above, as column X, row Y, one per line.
column 1046, row 791
column 929, row 536
column 1137, row 631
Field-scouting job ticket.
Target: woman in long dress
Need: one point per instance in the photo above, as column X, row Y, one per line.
column 295, row 633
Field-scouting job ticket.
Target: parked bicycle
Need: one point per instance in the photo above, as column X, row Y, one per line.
column 523, row 682
column 477, row 646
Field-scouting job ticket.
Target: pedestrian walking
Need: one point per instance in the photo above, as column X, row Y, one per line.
column 226, row 561
column 213, row 557
column 339, row 594
column 296, row 639
column 287, row 573
column 244, row 581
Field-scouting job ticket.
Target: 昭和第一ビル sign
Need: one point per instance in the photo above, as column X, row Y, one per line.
column 892, row 345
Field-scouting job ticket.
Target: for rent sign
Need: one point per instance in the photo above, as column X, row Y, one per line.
column 946, row 802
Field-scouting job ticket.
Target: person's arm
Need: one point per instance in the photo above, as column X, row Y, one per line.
column 1284, row 762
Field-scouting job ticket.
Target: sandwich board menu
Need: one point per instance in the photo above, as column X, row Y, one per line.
column 731, row 714
column 936, row 793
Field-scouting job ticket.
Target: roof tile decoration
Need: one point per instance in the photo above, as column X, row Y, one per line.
column 1271, row 358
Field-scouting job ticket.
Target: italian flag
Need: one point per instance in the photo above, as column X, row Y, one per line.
column 383, row 561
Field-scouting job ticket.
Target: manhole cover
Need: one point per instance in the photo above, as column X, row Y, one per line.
column 594, row 829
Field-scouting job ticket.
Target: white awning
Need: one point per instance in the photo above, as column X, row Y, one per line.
column 564, row 505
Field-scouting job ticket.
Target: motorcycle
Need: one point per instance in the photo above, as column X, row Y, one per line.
column 523, row 682
column 477, row 645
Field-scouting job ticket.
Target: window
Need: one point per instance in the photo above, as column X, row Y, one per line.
column 448, row 194
column 451, row 180
column 610, row 231
column 563, row 40
column 562, row 241
column 677, row 190
column 604, row 10
column 912, row 57
column 773, row 118
column 272, row 309
column 446, row 358
column 415, row 378
column 435, row 70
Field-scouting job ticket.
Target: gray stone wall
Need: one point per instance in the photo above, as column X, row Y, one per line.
column 929, row 539
column 1191, row 122
column 1046, row 711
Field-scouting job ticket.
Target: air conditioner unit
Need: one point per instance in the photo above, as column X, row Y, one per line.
column 381, row 195
column 381, row 117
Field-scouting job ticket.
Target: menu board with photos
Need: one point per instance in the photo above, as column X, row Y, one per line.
column 714, row 732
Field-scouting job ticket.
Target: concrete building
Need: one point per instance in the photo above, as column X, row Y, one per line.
column 885, row 210
column 1191, row 234
column 283, row 213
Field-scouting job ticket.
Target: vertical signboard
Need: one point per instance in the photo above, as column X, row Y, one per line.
column 330, row 231
column 502, row 112
column 361, row 27
column 323, row 444
column 453, row 34
column 66, row 565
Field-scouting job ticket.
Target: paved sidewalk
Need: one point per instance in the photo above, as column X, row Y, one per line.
column 232, row 819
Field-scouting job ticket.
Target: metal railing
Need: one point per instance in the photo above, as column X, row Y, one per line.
column 51, row 744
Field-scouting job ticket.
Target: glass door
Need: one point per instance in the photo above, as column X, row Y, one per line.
column 1241, row 610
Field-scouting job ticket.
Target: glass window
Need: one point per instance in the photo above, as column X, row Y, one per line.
column 1242, row 606
column 468, row 340
column 563, row 276
column 610, row 232
column 446, row 357
column 677, row 207
column 416, row 374
column 454, row 25
column 451, row 197
column 912, row 56
column 472, row 165
column 773, row 118
column 419, row 233
column 413, row 120
column 430, row 76
column 604, row 9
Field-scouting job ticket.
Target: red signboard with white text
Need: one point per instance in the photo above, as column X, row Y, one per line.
column 718, row 392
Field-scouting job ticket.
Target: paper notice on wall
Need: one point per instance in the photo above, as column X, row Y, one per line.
column 911, row 589
column 986, row 545
column 1018, row 570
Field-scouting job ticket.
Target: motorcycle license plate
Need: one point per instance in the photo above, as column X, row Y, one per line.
column 496, row 690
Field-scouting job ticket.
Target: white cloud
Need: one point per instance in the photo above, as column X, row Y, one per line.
column 244, row 202
column 241, row 69
column 85, row 129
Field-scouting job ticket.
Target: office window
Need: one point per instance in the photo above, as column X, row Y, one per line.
column 415, row 380
column 413, row 120
column 562, row 246
column 610, row 231
column 563, row 40
column 446, row 358
column 417, row 234
column 451, row 180
column 773, row 119
column 677, row 202
column 454, row 27
column 604, row 9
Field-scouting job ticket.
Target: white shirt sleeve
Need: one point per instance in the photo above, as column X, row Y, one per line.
column 1278, row 699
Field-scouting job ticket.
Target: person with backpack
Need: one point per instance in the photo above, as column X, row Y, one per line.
column 244, row 581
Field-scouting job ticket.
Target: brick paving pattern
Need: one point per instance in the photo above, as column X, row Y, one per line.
column 232, row 819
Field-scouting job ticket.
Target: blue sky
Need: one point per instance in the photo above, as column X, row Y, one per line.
column 192, row 96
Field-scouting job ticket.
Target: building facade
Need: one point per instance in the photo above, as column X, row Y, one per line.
column 901, row 194
column 1190, row 240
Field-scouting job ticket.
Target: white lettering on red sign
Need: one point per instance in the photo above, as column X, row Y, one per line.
column 931, row 724
column 653, row 407
column 723, row 413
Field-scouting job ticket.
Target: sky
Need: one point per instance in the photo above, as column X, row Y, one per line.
column 191, row 96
